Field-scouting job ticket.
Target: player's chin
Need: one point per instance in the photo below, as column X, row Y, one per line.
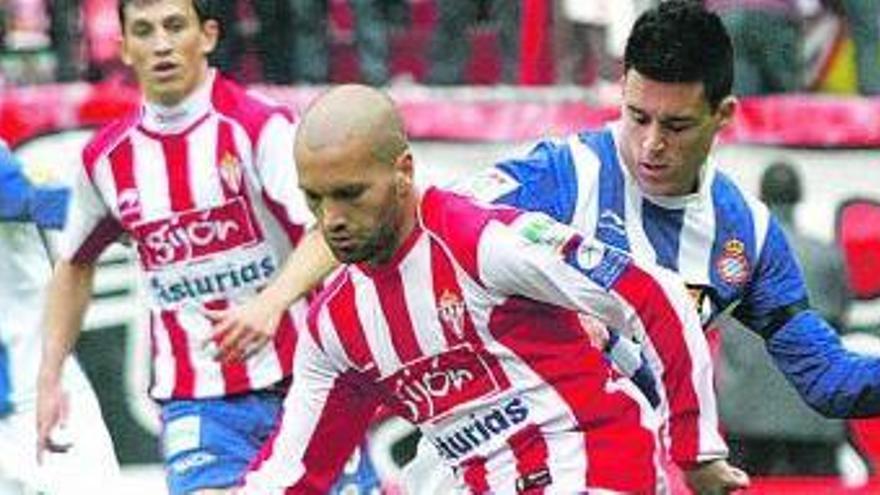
column 349, row 253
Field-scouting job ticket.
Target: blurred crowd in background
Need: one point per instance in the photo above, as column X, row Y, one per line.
column 782, row 45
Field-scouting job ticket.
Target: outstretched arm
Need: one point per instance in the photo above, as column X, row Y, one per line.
column 804, row 346
column 835, row 382
column 248, row 327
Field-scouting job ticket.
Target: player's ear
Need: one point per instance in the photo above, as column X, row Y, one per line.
column 403, row 171
column 726, row 110
column 210, row 35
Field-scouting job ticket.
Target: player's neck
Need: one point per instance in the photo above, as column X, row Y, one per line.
column 173, row 119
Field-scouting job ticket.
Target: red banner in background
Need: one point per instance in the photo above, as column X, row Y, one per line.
column 467, row 114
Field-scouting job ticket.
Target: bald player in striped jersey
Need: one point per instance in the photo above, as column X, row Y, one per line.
column 463, row 319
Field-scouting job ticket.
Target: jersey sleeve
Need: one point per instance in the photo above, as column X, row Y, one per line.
column 277, row 171
column 546, row 261
column 804, row 346
column 543, row 181
column 776, row 290
column 326, row 415
column 91, row 226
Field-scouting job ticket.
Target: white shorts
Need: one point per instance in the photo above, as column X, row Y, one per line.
column 88, row 467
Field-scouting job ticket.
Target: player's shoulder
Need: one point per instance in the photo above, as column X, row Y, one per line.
column 731, row 200
column 107, row 138
column 252, row 110
column 459, row 222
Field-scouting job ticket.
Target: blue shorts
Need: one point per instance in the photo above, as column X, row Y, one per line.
column 209, row 443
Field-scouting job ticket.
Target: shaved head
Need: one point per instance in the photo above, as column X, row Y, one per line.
column 354, row 112
column 354, row 165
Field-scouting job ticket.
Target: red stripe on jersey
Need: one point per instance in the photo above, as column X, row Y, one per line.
column 285, row 343
column 345, row 415
column 455, row 321
column 177, row 160
column 666, row 332
column 530, row 451
column 474, row 475
column 184, row 374
column 228, row 161
column 392, row 302
column 549, row 340
column 122, row 167
column 105, row 139
column 343, row 313
column 235, row 373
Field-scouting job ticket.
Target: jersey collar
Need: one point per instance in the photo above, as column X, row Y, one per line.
column 160, row 119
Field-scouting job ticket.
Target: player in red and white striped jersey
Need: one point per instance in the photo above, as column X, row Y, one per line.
column 201, row 178
column 463, row 319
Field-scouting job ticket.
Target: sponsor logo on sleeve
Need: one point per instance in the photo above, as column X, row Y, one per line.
column 601, row 264
column 543, row 230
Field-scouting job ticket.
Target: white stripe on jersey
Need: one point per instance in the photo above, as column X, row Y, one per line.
column 695, row 247
column 429, row 333
column 150, row 176
column 586, row 168
column 378, row 336
column 203, row 163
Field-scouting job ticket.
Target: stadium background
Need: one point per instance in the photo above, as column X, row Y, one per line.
column 833, row 138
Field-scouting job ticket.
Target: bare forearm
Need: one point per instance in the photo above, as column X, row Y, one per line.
column 68, row 297
column 303, row 270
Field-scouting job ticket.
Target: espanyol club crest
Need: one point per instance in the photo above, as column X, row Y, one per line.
column 230, row 171
column 451, row 312
column 733, row 265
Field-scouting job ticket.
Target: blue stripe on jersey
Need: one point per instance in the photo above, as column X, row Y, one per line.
column 611, row 224
column 5, row 382
column 548, row 182
column 663, row 228
column 733, row 251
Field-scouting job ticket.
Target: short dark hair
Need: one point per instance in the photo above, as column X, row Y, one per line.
column 679, row 41
column 202, row 8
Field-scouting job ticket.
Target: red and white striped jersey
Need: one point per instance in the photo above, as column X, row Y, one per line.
column 208, row 193
column 471, row 332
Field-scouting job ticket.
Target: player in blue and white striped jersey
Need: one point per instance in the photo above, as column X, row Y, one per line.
column 645, row 185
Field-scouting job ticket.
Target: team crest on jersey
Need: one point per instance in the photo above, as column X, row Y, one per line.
column 733, row 265
column 230, row 171
column 451, row 311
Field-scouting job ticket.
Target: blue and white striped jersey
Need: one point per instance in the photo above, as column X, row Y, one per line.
column 725, row 244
